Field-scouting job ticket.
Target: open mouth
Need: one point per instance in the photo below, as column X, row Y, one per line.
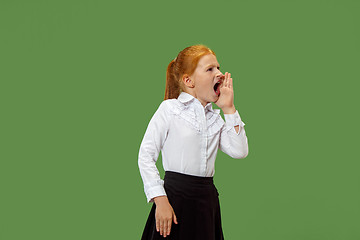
column 217, row 88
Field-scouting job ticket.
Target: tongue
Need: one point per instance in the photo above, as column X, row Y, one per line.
column 217, row 91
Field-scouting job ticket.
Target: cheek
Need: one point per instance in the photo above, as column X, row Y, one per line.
column 205, row 88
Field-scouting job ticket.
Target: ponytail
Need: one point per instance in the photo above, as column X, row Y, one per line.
column 172, row 86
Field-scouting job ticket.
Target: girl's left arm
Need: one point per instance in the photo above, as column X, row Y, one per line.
column 233, row 139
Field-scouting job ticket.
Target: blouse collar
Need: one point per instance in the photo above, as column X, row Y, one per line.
column 185, row 97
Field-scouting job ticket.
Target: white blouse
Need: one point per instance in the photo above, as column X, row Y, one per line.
column 188, row 136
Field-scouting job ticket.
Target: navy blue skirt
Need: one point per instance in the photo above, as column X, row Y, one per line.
column 195, row 201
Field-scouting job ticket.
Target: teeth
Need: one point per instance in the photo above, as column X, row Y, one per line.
column 216, row 86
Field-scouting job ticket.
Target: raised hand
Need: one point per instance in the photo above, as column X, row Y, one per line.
column 226, row 98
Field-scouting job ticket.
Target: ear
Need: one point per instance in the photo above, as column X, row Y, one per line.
column 188, row 81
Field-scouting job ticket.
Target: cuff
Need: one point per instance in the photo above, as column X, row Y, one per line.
column 155, row 192
column 233, row 120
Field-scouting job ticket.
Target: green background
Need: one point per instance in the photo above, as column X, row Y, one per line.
column 80, row 81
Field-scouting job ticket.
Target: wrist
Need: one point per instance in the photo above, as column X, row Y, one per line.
column 229, row 110
column 160, row 199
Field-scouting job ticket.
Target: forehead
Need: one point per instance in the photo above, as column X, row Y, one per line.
column 207, row 60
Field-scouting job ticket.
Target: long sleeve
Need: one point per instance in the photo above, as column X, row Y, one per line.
column 150, row 147
column 234, row 144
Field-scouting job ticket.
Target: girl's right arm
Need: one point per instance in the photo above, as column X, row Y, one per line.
column 150, row 147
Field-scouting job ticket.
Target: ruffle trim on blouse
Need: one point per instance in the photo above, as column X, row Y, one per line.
column 214, row 122
column 185, row 112
column 188, row 114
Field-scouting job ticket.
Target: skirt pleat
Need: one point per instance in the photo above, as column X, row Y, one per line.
column 195, row 201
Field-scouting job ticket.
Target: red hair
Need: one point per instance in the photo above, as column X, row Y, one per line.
column 185, row 63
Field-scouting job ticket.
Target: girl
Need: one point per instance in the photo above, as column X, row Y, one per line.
column 188, row 131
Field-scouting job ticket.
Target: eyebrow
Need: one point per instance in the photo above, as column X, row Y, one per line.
column 212, row 65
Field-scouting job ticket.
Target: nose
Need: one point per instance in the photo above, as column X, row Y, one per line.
column 220, row 76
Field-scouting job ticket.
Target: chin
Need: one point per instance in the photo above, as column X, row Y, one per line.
column 216, row 98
